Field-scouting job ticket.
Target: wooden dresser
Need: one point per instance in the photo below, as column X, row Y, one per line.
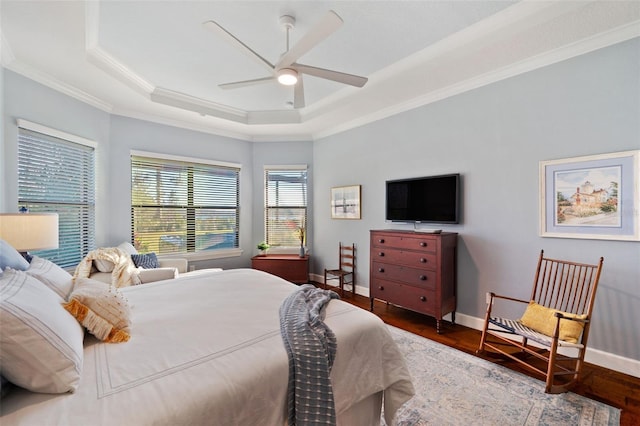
column 291, row 267
column 414, row 270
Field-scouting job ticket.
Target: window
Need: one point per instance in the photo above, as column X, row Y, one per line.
column 183, row 205
column 56, row 173
column 285, row 204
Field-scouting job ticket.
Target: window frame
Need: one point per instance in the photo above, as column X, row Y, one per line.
column 70, row 231
column 305, row 219
column 201, row 254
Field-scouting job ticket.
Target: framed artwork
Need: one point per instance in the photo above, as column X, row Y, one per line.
column 594, row 197
column 345, row 202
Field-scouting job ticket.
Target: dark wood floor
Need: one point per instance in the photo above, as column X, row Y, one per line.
column 598, row 383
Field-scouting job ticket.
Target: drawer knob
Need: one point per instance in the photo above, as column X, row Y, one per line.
column 423, row 277
column 423, row 244
column 423, row 299
column 423, row 260
column 381, row 240
column 381, row 254
column 381, row 287
column 380, row 269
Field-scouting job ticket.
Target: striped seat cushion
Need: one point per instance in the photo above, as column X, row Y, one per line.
column 516, row 327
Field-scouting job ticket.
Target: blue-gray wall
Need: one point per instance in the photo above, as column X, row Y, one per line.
column 130, row 134
column 494, row 136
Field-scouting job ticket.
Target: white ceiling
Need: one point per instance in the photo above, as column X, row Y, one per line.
column 154, row 60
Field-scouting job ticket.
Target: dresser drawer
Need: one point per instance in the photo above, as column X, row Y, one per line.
column 408, row 242
column 409, row 258
column 416, row 299
column 411, row 276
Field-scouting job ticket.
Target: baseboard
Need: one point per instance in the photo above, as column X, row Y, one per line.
column 362, row 291
column 594, row 356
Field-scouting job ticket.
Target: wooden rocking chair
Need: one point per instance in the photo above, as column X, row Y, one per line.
column 558, row 316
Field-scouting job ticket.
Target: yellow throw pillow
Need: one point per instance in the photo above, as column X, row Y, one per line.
column 101, row 309
column 543, row 320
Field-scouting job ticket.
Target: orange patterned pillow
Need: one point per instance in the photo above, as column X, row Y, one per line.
column 101, row 308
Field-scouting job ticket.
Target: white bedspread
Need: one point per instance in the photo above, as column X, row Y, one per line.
column 207, row 350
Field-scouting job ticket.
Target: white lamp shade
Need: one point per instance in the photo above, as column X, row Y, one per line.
column 30, row 231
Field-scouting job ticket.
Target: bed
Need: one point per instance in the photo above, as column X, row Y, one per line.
column 207, row 349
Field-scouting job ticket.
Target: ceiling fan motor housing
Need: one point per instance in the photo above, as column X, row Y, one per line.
column 288, row 22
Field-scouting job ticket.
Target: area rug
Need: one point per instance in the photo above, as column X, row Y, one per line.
column 455, row 388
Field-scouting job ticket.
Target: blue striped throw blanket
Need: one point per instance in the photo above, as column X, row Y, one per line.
column 311, row 347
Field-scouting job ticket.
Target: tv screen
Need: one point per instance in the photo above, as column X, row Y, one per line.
column 431, row 199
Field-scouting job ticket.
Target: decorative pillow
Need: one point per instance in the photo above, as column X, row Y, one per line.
column 103, row 265
column 10, row 258
column 128, row 248
column 543, row 320
column 53, row 276
column 146, row 261
column 40, row 343
column 102, row 309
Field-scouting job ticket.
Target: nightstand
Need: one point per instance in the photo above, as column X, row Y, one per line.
column 291, row 267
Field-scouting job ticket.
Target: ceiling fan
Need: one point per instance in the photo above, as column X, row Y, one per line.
column 287, row 71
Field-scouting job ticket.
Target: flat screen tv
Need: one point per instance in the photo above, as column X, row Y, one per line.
column 429, row 199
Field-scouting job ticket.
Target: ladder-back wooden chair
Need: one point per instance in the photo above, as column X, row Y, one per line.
column 557, row 317
column 346, row 272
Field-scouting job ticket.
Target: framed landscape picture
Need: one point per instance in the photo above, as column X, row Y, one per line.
column 345, row 202
column 595, row 197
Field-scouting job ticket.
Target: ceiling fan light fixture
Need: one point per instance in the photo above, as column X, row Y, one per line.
column 287, row 76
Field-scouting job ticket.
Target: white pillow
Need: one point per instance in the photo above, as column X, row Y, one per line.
column 103, row 265
column 128, row 248
column 106, row 265
column 40, row 343
column 10, row 258
column 53, row 276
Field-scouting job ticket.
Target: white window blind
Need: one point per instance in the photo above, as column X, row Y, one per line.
column 285, row 205
column 57, row 175
column 180, row 206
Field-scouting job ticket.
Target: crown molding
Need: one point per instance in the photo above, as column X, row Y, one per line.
column 57, row 85
column 571, row 50
column 383, row 96
column 109, row 64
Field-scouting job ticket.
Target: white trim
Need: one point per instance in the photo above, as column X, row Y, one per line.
column 594, row 356
column 155, row 155
column 35, row 127
column 199, row 105
column 53, row 83
column 110, row 65
column 287, row 167
column 205, row 255
column 216, row 129
column 562, row 53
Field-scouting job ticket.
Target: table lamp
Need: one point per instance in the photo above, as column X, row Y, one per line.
column 29, row 231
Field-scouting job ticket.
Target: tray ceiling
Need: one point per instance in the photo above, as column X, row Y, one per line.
column 154, row 59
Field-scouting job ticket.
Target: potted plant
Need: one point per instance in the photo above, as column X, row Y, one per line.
column 300, row 233
column 263, row 247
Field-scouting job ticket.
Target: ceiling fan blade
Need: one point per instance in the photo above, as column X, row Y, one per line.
column 340, row 77
column 216, row 28
column 245, row 83
column 298, row 94
column 323, row 29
